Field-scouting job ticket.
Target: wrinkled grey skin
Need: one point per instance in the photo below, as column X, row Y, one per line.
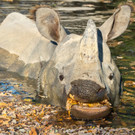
column 80, row 65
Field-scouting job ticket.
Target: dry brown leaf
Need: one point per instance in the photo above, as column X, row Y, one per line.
column 80, row 122
column 42, row 113
column 19, row 116
column 123, row 124
column 89, row 131
column 133, row 68
column 123, row 68
column 47, row 128
column 28, row 100
column 127, row 93
column 37, row 119
column 129, row 83
column 33, row 131
column 4, row 119
column 2, row 104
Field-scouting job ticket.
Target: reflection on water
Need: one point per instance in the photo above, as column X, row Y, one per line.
column 74, row 15
column 13, row 83
column 124, row 56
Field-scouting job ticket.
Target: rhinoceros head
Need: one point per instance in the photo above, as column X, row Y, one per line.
column 81, row 74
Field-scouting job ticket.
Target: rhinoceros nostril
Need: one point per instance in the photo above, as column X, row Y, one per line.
column 101, row 91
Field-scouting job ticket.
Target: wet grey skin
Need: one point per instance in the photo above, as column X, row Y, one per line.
column 80, row 65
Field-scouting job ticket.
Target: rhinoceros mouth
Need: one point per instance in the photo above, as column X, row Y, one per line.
column 88, row 111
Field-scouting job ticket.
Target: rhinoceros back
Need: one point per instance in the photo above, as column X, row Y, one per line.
column 22, row 48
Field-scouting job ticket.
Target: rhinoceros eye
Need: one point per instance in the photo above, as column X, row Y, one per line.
column 61, row 77
column 111, row 76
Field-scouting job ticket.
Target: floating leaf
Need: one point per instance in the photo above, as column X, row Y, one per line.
column 133, row 68
column 123, row 68
column 28, row 100
column 80, row 122
column 123, row 124
column 129, row 83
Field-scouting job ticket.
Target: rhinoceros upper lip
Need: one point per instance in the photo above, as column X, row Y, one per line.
column 88, row 111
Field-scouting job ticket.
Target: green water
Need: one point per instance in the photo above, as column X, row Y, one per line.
column 126, row 64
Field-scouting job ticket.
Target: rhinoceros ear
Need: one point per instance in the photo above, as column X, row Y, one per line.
column 48, row 24
column 117, row 23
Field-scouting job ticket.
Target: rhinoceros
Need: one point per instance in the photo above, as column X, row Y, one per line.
column 75, row 72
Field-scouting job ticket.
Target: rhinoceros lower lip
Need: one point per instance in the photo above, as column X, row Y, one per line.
column 88, row 111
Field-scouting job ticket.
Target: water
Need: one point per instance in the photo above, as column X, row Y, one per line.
column 74, row 15
column 124, row 56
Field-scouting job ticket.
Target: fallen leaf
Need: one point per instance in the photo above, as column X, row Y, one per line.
column 4, row 119
column 123, row 124
column 119, row 57
column 133, row 68
column 48, row 127
column 2, row 104
column 89, row 131
column 33, row 131
column 80, row 122
column 123, row 68
column 129, row 83
column 28, row 100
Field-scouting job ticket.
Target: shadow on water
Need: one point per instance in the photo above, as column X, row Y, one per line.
column 74, row 15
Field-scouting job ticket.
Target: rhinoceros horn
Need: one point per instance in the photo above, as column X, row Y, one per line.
column 88, row 45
